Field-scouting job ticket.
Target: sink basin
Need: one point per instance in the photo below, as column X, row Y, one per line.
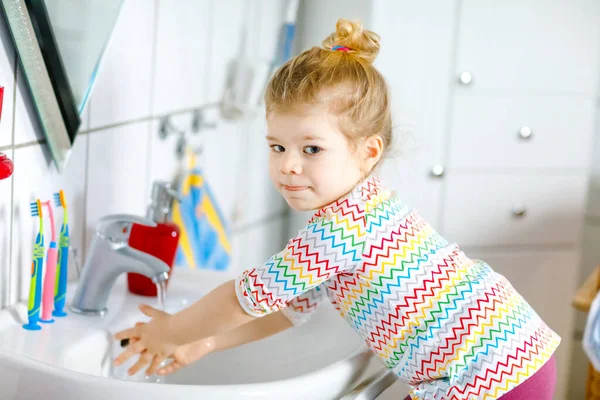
column 72, row 358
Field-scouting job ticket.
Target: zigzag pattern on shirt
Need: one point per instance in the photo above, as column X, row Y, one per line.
column 449, row 326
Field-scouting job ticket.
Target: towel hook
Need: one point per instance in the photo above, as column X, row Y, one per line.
column 167, row 128
column 198, row 123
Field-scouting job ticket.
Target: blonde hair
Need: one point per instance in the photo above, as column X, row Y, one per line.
column 343, row 79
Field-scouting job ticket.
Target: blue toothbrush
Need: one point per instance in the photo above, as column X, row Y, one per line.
column 62, row 267
column 35, row 288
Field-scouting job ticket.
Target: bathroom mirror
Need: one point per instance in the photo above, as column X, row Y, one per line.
column 60, row 44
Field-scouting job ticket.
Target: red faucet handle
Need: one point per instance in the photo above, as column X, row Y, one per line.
column 6, row 166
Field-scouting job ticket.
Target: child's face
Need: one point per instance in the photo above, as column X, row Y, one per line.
column 311, row 162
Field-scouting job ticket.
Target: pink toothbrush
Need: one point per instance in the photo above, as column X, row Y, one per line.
column 50, row 278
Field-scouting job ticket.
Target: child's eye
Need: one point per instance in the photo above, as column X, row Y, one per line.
column 277, row 148
column 312, row 149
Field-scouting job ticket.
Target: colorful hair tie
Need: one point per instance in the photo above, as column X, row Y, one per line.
column 341, row 48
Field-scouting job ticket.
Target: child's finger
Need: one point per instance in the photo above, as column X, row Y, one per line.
column 150, row 311
column 169, row 369
column 155, row 365
column 132, row 349
column 127, row 333
column 124, row 356
column 144, row 359
column 127, row 342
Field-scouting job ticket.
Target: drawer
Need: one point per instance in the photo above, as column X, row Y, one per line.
column 529, row 45
column 522, row 131
column 491, row 210
column 547, row 280
column 410, row 177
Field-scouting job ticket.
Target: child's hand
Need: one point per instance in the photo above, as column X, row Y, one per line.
column 187, row 354
column 150, row 340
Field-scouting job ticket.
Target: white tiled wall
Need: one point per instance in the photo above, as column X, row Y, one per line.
column 183, row 40
column 123, row 90
column 117, row 179
column 164, row 57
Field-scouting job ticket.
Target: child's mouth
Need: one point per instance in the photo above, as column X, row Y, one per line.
column 294, row 188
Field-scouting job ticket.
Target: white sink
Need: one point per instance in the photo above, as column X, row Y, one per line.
column 72, row 358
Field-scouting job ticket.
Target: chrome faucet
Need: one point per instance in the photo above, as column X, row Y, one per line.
column 110, row 255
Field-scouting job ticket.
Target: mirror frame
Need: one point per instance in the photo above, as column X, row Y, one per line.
column 45, row 74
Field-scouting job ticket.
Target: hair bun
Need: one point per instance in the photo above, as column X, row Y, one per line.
column 362, row 43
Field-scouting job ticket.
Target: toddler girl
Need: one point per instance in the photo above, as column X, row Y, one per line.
column 447, row 325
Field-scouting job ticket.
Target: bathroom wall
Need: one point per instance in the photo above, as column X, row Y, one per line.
column 165, row 58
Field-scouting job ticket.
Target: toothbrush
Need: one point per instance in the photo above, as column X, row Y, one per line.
column 50, row 277
column 287, row 34
column 60, row 288
column 35, row 288
column 289, row 30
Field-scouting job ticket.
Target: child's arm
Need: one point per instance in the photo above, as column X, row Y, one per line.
column 258, row 329
column 297, row 312
column 217, row 312
column 329, row 245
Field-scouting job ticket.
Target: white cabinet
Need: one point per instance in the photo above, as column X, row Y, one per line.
column 513, row 139
column 510, row 144
column 521, row 125
column 416, row 52
column 545, row 280
column 530, row 45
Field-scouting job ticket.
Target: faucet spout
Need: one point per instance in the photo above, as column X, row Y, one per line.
column 109, row 257
column 142, row 263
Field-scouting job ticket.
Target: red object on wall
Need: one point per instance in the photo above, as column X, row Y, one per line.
column 1, row 98
column 6, row 166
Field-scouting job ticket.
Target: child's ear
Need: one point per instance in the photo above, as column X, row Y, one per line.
column 373, row 150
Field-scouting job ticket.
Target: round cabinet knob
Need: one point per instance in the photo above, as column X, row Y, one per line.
column 465, row 78
column 519, row 210
column 525, row 133
column 437, row 170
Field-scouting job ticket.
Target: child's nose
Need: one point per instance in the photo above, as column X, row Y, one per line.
column 291, row 164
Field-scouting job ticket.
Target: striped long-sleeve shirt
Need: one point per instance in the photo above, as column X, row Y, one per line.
column 447, row 325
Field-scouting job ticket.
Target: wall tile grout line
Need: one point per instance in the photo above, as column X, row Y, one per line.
column 81, row 254
column 150, row 139
column 150, row 118
column 118, row 125
column 211, row 26
column 12, row 191
column 154, row 55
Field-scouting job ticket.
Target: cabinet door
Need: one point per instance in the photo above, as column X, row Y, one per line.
column 415, row 58
column 502, row 209
column 547, row 280
column 522, row 132
column 530, row 45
